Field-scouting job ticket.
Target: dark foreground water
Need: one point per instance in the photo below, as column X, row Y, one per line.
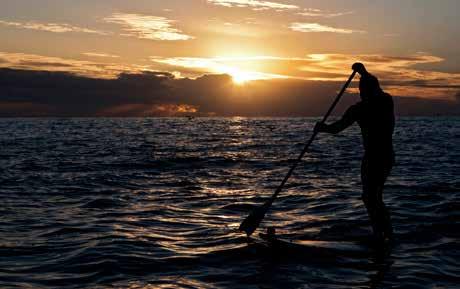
column 156, row 203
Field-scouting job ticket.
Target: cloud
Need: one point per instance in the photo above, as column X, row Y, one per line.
column 44, row 93
column 78, row 67
column 148, row 27
column 51, row 27
column 218, row 65
column 311, row 12
column 315, row 27
column 65, row 94
column 98, row 54
column 143, row 109
column 398, row 74
column 254, row 4
column 390, row 66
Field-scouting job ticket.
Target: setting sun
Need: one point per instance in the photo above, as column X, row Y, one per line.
column 241, row 77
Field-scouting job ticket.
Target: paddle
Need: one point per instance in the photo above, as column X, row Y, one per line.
column 250, row 224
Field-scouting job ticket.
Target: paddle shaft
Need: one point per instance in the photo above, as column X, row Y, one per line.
column 310, row 141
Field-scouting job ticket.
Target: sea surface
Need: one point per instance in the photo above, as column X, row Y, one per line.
column 156, row 203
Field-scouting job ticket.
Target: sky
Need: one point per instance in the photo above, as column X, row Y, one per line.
column 223, row 57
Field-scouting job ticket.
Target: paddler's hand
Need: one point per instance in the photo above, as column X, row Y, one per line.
column 320, row 127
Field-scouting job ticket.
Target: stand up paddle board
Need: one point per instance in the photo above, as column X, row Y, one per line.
column 319, row 248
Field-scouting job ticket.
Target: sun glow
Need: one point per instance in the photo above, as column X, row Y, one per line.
column 236, row 67
column 240, row 77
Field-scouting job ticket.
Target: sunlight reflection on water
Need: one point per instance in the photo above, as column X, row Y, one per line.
column 157, row 202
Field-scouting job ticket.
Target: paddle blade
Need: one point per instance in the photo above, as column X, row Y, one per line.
column 252, row 222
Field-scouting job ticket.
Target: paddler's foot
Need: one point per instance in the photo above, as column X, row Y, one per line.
column 381, row 243
column 389, row 234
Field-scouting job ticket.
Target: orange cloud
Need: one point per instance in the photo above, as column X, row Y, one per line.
column 148, row 27
column 98, row 54
column 78, row 67
column 315, row 27
column 311, row 12
column 175, row 109
column 397, row 73
column 253, row 4
column 141, row 109
column 219, row 65
column 51, row 27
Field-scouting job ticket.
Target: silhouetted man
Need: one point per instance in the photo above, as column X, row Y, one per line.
column 375, row 116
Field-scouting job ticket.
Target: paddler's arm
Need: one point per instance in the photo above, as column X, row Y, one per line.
column 347, row 120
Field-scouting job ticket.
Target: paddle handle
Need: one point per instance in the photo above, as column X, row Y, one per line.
column 310, row 141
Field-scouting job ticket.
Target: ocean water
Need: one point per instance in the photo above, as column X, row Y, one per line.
column 156, row 203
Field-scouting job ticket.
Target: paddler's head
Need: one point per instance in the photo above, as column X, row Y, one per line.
column 359, row 67
column 369, row 85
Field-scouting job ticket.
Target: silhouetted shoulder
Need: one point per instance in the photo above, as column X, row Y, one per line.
column 388, row 97
column 386, row 101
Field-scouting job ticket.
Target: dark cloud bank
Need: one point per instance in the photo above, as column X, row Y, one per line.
column 25, row 93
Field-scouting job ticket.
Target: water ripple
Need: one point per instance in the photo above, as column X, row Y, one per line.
column 156, row 203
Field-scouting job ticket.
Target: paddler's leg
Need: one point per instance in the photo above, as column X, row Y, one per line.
column 383, row 215
column 387, row 226
column 370, row 201
column 370, row 198
column 373, row 183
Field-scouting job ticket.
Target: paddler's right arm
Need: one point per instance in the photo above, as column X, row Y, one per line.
column 350, row 116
